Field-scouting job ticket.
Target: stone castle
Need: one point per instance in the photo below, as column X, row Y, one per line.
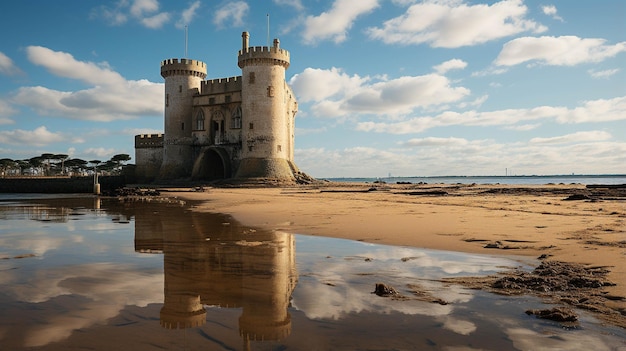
column 239, row 127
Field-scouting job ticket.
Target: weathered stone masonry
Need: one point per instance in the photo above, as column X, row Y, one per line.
column 237, row 127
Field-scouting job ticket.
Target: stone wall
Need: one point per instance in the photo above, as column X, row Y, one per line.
column 60, row 185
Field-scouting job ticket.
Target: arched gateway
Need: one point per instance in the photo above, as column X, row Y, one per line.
column 212, row 164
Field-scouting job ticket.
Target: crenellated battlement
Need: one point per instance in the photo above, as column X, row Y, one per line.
column 144, row 141
column 263, row 54
column 183, row 66
column 221, row 85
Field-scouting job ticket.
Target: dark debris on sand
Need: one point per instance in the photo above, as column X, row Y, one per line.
column 571, row 284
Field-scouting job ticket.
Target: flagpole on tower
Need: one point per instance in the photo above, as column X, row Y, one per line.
column 186, row 41
column 268, row 29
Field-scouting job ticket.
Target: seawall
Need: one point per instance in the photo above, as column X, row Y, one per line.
column 60, row 185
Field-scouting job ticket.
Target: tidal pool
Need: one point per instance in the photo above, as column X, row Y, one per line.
column 103, row 274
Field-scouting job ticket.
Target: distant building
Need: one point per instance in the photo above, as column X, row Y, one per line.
column 237, row 127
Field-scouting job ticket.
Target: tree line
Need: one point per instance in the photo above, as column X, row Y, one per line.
column 61, row 165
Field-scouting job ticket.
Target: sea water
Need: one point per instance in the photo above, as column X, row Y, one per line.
column 106, row 274
column 510, row 180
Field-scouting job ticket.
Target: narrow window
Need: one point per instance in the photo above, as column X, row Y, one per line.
column 180, row 88
column 236, row 118
column 182, row 126
column 250, row 148
column 279, row 148
column 200, row 121
column 167, row 100
column 251, row 125
column 270, row 91
column 251, row 78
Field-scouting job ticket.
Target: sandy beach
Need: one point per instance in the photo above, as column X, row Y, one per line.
column 569, row 223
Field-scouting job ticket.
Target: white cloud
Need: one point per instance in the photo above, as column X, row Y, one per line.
column 188, row 15
column 7, row 67
column 315, row 84
column 476, row 103
column 144, row 11
column 341, row 95
column 296, row 4
column 524, row 127
column 233, row 12
column 334, row 24
column 603, row 74
column 491, row 71
column 99, row 152
column 602, row 110
column 550, row 10
column 140, row 8
column 434, row 141
column 557, row 51
column 111, row 98
column 577, row 137
column 38, row 137
column 6, row 110
column 453, row 23
column 460, row 156
column 156, row 21
column 450, row 65
column 65, row 65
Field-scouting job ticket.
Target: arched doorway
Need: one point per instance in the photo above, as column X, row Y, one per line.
column 213, row 164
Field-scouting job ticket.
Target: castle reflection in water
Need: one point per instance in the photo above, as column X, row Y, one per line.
column 210, row 260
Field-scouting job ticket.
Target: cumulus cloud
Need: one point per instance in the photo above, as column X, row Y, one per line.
column 341, row 95
column 450, row 65
column 7, row 67
column 315, row 84
column 65, row 65
column 38, row 137
column 188, row 15
column 156, row 21
column 459, row 156
column 99, row 152
column 296, row 4
column 334, row 23
column 146, row 12
column 6, row 110
column 231, row 12
column 595, row 135
column 601, row 110
column 550, row 10
column 112, row 97
column 141, row 8
column 454, row 23
column 557, row 51
column 603, row 74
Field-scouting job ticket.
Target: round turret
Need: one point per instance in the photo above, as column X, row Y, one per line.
column 268, row 110
column 263, row 55
column 183, row 67
column 183, row 78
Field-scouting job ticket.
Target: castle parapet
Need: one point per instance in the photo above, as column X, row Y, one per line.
column 221, row 85
column 148, row 141
column 273, row 55
column 183, row 66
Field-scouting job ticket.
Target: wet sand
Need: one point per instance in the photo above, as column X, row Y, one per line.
column 568, row 223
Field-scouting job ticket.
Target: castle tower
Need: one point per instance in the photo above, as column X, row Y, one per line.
column 182, row 81
column 268, row 110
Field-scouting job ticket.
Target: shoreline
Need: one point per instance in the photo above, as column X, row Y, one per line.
column 568, row 223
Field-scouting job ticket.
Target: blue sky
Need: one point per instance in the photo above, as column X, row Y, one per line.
column 401, row 87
